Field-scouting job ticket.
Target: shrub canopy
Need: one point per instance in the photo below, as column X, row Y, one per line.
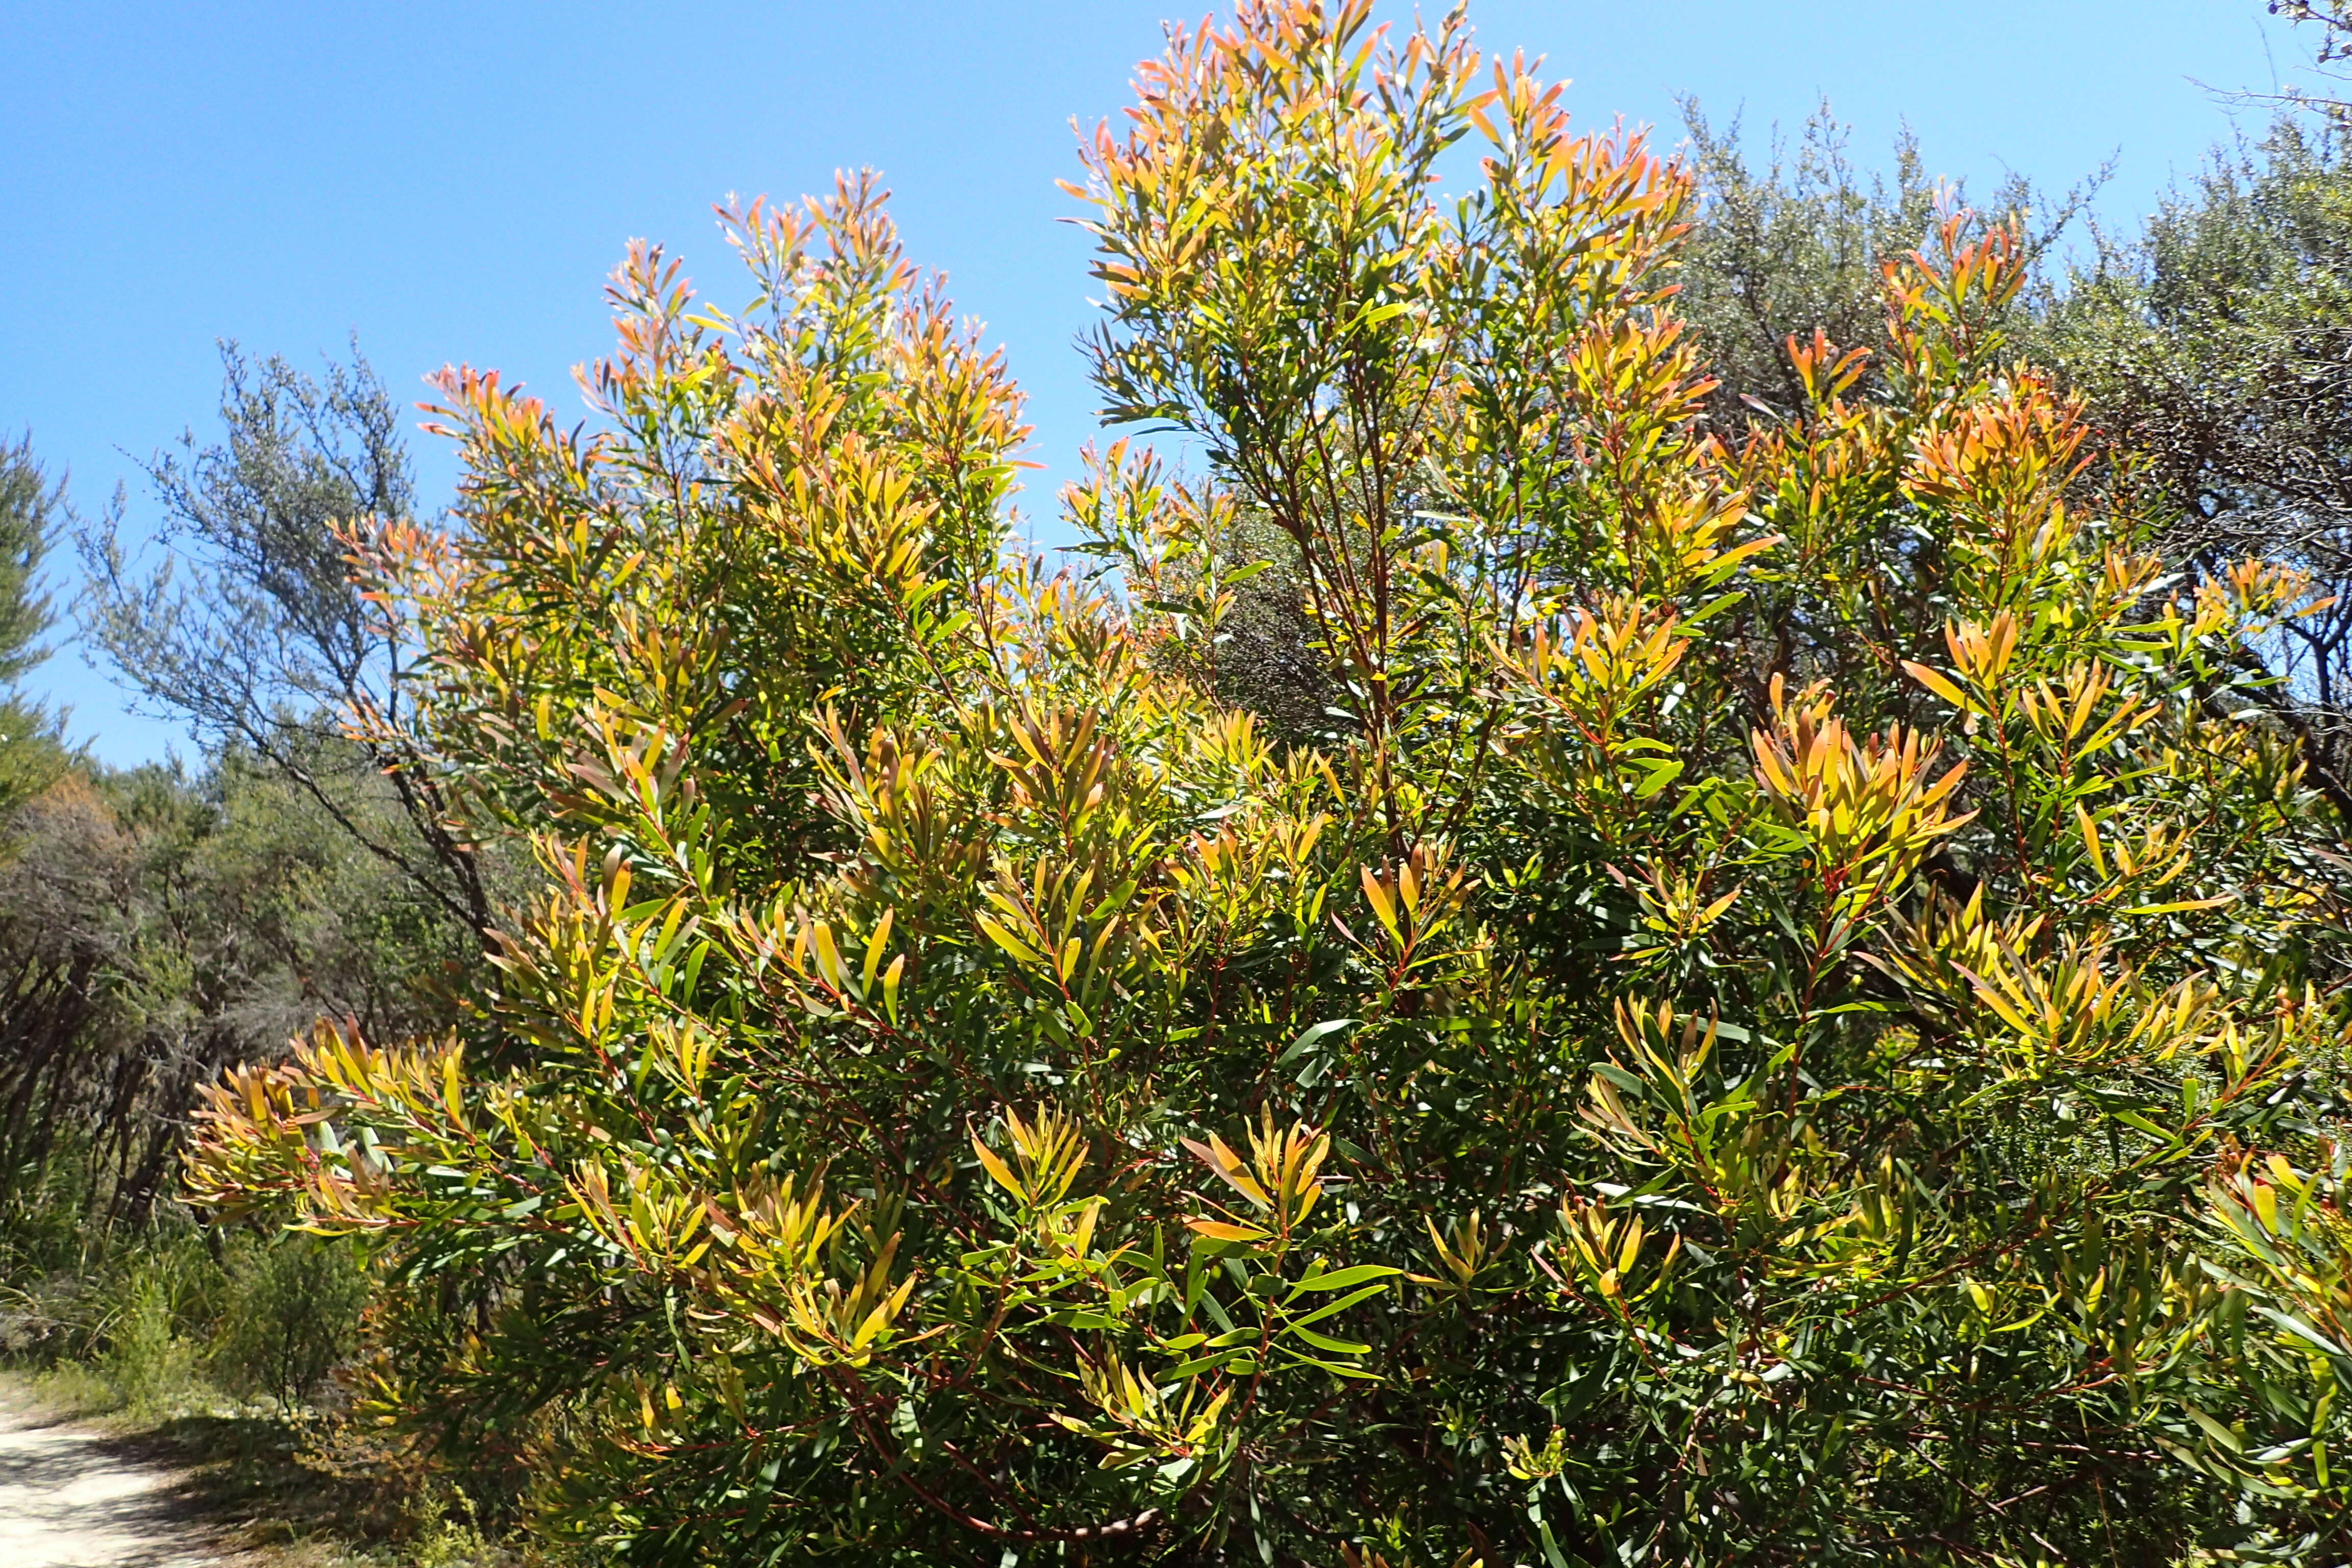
column 1772, row 1006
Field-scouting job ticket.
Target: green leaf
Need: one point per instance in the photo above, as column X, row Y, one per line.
column 1334, row 1368
column 1312, row 1033
column 1322, row 1342
column 1342, row 1305
column 2215, row 1430
column 2302, row 1329
column 1339, row 1279
column 1661, row 775
column 1209, row 1363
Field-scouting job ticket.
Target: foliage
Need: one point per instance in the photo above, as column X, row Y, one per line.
column 2206, row 344
column 156, row 928
column 169, row 1318
column 31, row 753
column 251, row 628
column 290, row 1316
column 1802, row 245
column 2212, row 350
column 1792, row 1013
column 29, row 507
column 129, row 1319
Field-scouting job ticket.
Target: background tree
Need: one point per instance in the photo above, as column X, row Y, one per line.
column 2208, row 345
column 2214, row 350
column 251, row 629
column 31, row 749
column 159, row 930
column 158, row 927
column 1801, row 246
column 2330, row 29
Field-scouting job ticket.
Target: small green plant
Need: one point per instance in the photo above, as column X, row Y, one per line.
column 120, row 1329
column 447, row 1531
column 290, row 1314
column 167, row 1317
column 146, row 1365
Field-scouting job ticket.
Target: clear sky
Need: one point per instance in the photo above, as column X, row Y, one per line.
column 452, row 181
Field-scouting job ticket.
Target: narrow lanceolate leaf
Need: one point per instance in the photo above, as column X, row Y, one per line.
column 1937, row 683
column 2181, row 906
column 1342, row 1279
column 1324, row 1342
column 1020, row 950
column 1230, row 1168
column 875, row 946
column 1311, row 1036
column 998, row 1171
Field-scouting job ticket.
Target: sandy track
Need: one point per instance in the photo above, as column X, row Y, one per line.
column 73, row 1498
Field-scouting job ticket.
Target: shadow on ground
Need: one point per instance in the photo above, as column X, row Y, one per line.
column 69, row 1495
column 245, row 1477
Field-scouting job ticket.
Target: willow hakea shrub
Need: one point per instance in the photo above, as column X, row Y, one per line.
column 1773, row 1007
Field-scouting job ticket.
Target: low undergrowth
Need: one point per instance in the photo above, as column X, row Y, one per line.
column 225, row 1354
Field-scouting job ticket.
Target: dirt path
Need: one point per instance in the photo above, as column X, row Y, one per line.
column 72, row 1497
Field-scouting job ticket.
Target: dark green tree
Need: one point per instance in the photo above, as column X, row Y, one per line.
column 31, row 751
column 2216, row 348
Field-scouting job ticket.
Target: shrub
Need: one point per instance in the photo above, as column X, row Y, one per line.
column 290, row 1316
column 1741, row 1036
column 146, row 1365
column 117, row 1324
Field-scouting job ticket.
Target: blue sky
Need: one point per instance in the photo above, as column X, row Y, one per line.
column 452, row 181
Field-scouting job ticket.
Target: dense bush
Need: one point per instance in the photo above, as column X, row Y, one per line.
column 1782, row 1003
column 289, row 1317
column 167, row 1316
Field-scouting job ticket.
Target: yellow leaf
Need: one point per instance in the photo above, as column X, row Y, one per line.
column 1382, row 905
column 874, row 945
column 1937, row 684
column 1991, row 997
column 455, row 1096
column 2090, row 839
column 997, row 1169
column 1021, row 951
column 1228, row 1165
column 2182, row 905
